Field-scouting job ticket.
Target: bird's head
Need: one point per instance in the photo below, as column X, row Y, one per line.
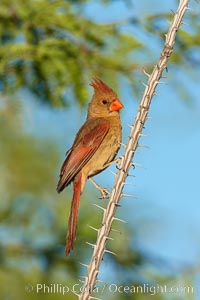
column 104, row 101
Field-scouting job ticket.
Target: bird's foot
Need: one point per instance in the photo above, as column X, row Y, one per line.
column 118, row 162
column 104, row 192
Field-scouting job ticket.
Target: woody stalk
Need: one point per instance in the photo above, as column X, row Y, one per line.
column 99, row 248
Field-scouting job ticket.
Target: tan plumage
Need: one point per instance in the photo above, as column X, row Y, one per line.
column 96, row 144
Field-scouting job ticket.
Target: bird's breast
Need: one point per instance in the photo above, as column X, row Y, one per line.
column 106, row 151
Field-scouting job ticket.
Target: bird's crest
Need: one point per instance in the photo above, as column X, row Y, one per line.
column 100, row 86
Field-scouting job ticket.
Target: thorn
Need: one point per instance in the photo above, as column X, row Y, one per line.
column 172, row 11
column 184, row 23
column 84, row 265
column 143, row 146
column 102, row 208
column 144, row 84
column 163, row 76
column 98, row 280
column 128, row 195
column 124, row 145
column 188, row 8
column 149, row 118
column 148, row 75
column 114, row 230
column 109, row 238
column 120, row 220
column 161, row 82
column 155, row 94
column 108, row 251
column 93, row 227
column 129, row 183
column 113, row 173
column 117, row 205
column 131, row 175
column 137, row 165
column 90, row 244
column 91, row 297
column 131, row 126
column 143, row 135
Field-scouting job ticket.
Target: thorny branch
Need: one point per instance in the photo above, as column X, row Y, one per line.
column 130, row 148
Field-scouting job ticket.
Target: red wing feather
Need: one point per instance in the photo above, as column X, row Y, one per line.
column 84, row 147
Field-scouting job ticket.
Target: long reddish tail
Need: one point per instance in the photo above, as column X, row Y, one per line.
column 72, row 223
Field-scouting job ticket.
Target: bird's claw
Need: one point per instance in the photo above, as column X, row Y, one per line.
column 119, row 162
column 104, row 193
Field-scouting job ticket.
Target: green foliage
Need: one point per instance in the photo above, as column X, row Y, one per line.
column 52, row 49
column 47, row 48
column 33, row 223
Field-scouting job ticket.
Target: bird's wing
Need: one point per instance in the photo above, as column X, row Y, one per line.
column 85, row 145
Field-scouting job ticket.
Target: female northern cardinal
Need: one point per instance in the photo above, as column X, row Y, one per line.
column 94, row 147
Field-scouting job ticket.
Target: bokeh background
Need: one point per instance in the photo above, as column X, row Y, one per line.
column 49, row 52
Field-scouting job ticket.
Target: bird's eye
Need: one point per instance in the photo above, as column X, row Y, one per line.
column 104, row 101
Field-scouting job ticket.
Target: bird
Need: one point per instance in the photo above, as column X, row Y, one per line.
column 93, row 150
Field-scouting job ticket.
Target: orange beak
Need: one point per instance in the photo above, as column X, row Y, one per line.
column 116, row 105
